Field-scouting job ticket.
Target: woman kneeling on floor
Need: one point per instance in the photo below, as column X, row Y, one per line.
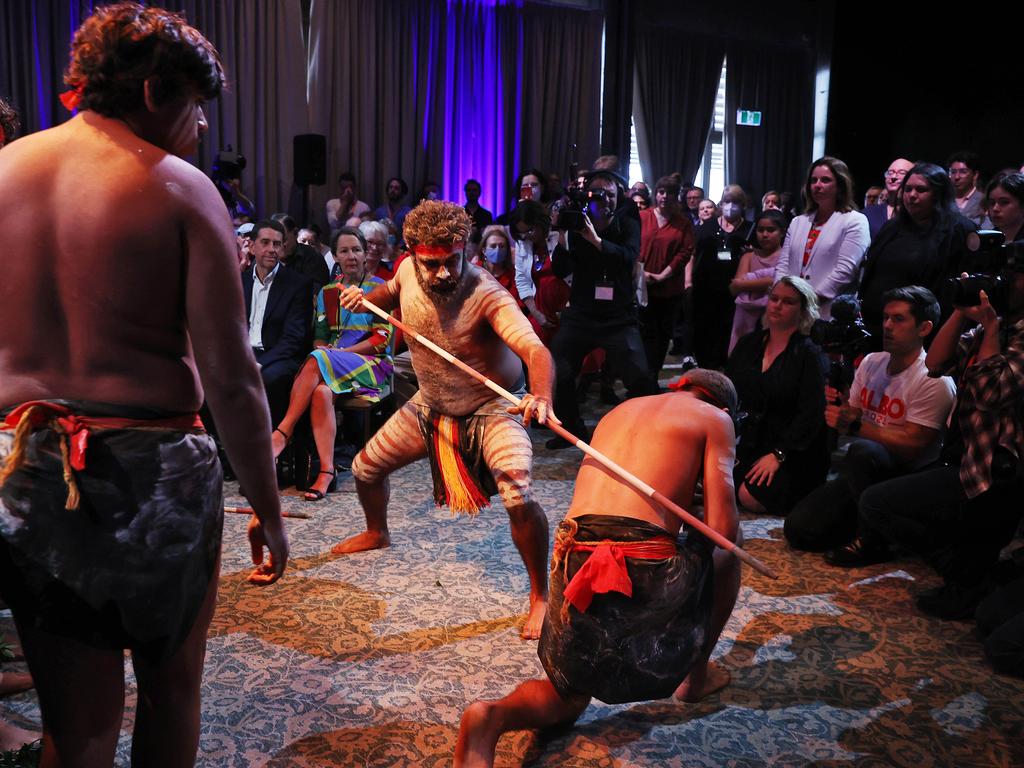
column 351, row 358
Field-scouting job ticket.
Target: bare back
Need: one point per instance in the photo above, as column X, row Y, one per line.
column 98, row 225
column 666, row 440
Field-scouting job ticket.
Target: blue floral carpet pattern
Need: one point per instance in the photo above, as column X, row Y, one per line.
column 369, row 659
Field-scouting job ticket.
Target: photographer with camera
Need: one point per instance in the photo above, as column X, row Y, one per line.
column 598, row 246
column 895, row 414
column 959, row 516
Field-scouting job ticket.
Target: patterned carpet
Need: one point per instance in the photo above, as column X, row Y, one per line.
column 368, row 660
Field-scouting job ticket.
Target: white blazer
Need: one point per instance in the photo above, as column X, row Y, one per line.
column 836, row 257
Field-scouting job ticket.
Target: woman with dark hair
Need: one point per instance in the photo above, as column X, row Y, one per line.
column 543, row 293
column 1005, row 202
column 779, row 375
column 720, row 245
column 826, row 245
column 923, row 244
column 350, row 357
column 9, row 122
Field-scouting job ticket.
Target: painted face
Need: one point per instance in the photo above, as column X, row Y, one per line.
column 1005, row 211
column 350, row 256
column 918, row 198
column 266, row 248
column 182, row 123
column 706, row 210
column 894, row 176
column 823, row 186
column 783, row 312
column 769, row 235
column 963, row 178
column 900, row 332
column 439, row 276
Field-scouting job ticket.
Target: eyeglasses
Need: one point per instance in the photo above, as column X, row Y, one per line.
column 898, row 174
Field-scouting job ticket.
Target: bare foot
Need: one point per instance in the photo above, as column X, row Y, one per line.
column 362, row 542
column 13, row 737
column 701, row 683
column 278, row 441
column 534, row 619
column 15, row 682
column 477, row 738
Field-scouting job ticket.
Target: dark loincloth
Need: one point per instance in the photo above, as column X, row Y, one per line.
column 131, row 566
column 455, row 451
column 628, row 648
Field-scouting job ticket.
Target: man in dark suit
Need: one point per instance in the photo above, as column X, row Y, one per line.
column 279, row 308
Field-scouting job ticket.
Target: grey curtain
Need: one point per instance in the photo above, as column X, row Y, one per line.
column 677, row 78
column 618, row 78
column 445, row 91
column 778, row 81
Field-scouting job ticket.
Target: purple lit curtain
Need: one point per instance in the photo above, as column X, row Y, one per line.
column 778, row 81
column 34, row 41
column 445, row 90
column 677, row 78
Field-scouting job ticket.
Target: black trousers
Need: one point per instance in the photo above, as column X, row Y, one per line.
column 577, row 336
column 657, row 323
column 827, row 516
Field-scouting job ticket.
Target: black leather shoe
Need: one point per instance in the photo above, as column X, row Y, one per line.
column 858, row 553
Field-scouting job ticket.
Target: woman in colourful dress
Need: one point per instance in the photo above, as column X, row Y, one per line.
column 351, row 357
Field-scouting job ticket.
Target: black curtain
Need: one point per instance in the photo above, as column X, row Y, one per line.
column 619, row 63
column 677, row 77
column 778, row 81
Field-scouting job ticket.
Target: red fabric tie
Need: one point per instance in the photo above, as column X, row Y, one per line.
column 605, row 570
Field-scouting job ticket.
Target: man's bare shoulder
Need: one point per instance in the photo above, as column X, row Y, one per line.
column 671, row 412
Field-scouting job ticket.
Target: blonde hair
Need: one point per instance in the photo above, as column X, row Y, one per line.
column 808, row 300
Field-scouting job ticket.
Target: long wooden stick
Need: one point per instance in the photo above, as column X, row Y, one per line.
column 559, row 430
column 251, row 511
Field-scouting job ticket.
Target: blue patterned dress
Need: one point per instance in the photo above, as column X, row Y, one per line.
column 348, row 372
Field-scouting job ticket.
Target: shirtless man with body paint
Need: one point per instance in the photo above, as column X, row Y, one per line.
column 633, row 615
column 464, row 310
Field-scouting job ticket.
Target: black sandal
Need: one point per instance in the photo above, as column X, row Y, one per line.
column 313, row 494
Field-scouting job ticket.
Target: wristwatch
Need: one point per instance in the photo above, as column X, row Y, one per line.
column 780, row 455
column 854, row 426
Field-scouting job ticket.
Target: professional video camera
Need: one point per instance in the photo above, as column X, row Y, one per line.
column 570, row 214
column 844, row 338
column 991, row 260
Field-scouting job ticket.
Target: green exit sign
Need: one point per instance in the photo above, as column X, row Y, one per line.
column 748, row 117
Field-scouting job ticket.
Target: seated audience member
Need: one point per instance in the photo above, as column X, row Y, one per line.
column 302, row 258
column 1005, row 199
column 393, row 208
column 277, row 303
column 779, row 374
column 886, row 208
column 964, row 173
column 346, row 207
column 350, row 357
column 379, row 255
column 311, row 236
column 482, row 218
column 666, row 247
column 756, row 274
column 601, row 257
column 542, row 292
column 692, row 197
column 771, row 201
column 243, row 245
column 825, row 246
column 649, row 630
column 873, row 196
column 895, row 414
column 924, row 244
column 960, row 515
column 496, row 257
column 720, row 245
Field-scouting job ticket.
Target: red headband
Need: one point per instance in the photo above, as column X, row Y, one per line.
column 685, row 385
column 70, row 99
column 435, row 250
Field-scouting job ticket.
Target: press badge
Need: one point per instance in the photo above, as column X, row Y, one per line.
column 604, row 290
column 725, row 255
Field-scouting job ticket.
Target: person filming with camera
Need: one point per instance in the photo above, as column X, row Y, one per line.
column 959, row 515
column 598, row 246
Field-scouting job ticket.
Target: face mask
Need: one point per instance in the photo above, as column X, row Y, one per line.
column 494, row 255
column 730, row 210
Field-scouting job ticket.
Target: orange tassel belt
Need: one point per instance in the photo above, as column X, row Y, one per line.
column 605, row 570
column 74, row 431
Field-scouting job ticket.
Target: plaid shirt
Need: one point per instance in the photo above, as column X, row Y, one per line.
column 990, row 404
